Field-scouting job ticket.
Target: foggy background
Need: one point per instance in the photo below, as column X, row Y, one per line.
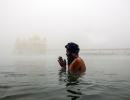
column 93, row 24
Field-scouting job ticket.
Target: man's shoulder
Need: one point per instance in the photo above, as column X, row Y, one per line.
column 78, row 60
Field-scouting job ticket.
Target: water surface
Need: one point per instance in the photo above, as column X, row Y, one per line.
column 38, row 78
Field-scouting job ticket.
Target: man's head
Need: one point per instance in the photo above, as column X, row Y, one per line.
column 72, row 47
column 72, row 50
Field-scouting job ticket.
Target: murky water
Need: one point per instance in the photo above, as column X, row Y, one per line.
column 38, row 78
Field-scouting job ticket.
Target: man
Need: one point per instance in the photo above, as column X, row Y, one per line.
column 75, row 63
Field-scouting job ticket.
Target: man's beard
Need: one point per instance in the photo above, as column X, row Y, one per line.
column 70, row 59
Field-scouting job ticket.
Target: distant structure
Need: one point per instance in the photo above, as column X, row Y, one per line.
column 120, row 51
column 33, row 45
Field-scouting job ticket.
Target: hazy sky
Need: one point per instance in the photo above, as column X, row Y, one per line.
column 90, row 23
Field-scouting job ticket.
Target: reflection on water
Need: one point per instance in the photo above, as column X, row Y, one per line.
column 39, row 78
column 71, row 83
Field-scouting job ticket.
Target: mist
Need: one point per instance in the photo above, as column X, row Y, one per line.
column 34, row 64
column 92, row 24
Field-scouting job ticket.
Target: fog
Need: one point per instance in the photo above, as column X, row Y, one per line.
column 90, row 23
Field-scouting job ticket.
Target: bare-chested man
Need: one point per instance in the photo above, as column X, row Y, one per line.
column 75, row 63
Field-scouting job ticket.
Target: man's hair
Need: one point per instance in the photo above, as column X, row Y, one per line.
column 72, row 47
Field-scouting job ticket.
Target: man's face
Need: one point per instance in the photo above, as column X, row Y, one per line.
column 68, row 54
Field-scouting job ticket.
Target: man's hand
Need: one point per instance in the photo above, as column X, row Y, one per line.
column 62, row 62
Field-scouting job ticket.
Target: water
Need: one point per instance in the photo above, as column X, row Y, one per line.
column 38, row 78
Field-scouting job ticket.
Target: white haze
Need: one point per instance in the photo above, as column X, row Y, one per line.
column 90, row 23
